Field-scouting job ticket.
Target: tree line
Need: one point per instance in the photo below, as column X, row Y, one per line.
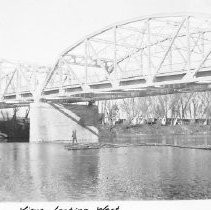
column 193, row 105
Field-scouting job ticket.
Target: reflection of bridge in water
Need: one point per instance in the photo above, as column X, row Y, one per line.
column 150, row 55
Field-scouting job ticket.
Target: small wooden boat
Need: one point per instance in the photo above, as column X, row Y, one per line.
column 82, row 146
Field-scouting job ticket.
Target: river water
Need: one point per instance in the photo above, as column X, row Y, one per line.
column 48, row 172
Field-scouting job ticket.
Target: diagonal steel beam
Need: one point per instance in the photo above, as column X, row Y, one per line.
column 153, row 44
column 85, row 87
column 113, row 83
column 191, row 74
column 27, row 81
column 169, row 48
column 7, row 86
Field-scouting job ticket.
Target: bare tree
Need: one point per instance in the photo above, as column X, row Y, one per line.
column 184, row 101
column 137, row 108
column 206, row 103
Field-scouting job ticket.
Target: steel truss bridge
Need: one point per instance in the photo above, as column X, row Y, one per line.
column 150, row 55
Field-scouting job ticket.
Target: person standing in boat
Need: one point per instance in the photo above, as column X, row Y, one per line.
column 74, row 136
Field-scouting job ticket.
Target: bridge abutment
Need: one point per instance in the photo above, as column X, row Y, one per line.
column 55, row 122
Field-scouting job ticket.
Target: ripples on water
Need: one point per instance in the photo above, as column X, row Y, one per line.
column 48, row 172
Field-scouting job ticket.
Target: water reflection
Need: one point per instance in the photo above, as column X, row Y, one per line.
column 48, row 172
column 182, row 140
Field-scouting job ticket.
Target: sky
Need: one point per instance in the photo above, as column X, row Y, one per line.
column 38, row 31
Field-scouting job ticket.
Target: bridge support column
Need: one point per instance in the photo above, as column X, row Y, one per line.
column 55, row 122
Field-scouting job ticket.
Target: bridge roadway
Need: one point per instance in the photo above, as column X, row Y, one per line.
column 168, row 83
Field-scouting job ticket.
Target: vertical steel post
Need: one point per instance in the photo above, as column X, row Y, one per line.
column 18, row 82
column 149, row 50
column 170, row 59
column 202, row 43
column 141, row 55
column 7, row 82
column 188, row 43
column 61, row 80
column 115, row 50
column 86, row 61
column 0, row 79
column 35, row 79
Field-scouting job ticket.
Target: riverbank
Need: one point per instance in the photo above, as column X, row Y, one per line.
column 191, row 136
column 107, row 134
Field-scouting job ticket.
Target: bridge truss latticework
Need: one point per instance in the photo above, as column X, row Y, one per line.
column 144, row 56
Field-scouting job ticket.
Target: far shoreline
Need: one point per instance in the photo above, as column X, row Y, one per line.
column 108, row 133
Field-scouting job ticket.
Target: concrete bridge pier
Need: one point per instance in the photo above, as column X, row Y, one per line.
column 50, row 122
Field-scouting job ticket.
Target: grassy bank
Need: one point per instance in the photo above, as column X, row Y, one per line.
column 107, row 133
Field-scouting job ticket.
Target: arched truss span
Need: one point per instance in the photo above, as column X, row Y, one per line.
column 19, row 82
column 151, row 51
